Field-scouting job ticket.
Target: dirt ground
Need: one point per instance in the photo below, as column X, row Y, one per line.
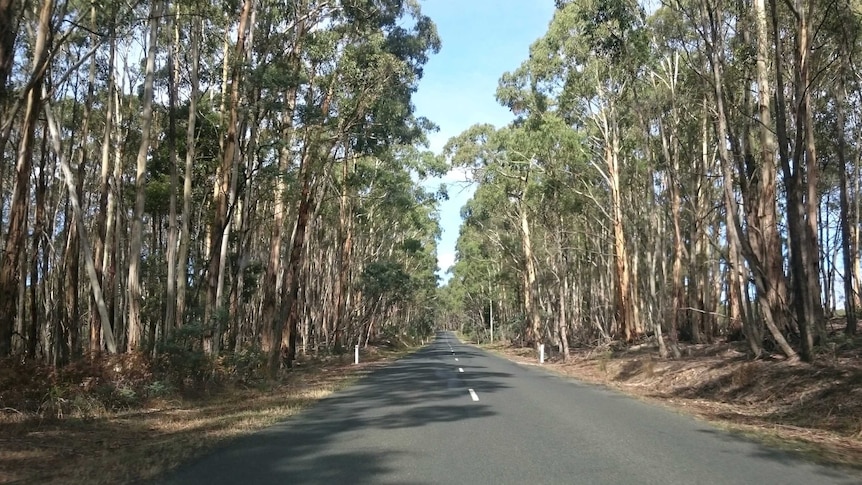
column 812, row 409
column 136, row 445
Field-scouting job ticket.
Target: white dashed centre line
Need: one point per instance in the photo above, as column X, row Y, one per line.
column 456, row 359
column 473, row 394
column 460, row 369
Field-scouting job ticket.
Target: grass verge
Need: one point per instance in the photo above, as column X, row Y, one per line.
column 141, row 444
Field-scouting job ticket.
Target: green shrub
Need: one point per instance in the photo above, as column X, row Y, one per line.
column 159, row 389
column 183, row 362
column 245, row 366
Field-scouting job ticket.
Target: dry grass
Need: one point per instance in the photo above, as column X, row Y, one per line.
column 812, row 409
column 132, row 446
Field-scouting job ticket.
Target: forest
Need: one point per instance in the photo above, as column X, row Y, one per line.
column 207, row 206
column 687, row 174
column 245, row 180
column 237, row 178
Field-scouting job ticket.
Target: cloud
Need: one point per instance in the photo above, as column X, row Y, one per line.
column 445, row 261
column 457, row 174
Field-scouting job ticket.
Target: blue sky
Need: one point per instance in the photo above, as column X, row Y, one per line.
column 481, row 40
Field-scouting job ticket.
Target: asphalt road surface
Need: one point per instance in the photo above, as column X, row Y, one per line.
column 451, row 413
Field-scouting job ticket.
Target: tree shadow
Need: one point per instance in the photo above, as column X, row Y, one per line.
column 786, row 457
column 422, row 389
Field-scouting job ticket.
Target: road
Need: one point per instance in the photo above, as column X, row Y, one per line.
column 452, row 413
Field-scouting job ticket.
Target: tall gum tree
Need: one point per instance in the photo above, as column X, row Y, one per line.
column 498, row 157
column 10, row 270
column 135, row 242
column 588, row 59
column 360, row 72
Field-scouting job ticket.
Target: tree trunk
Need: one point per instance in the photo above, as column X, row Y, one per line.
column 40, row 236
column 274, row 277
column 290, row 306
column 344, row 256
column 188, row 174
column 173, row 229
column 223, row 175
column 530, row 300
column 10, row 270
column 844, row 200
column 135, row 331
column 622, row 277
column 562, row 319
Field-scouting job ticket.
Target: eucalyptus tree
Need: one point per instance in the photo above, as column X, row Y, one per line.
column 33, row 97
column 349, row 88
column 273, row 109
column 499, row 158
column 396, row 232
column 488, row 246
column 586, row 64
column 134, row 284
column 845, row 37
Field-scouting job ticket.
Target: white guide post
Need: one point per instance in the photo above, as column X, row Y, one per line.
column 491, row 313
column 541, row 353
column 356, row 355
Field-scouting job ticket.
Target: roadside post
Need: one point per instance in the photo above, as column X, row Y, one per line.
column 541, row 353
column 356, row 355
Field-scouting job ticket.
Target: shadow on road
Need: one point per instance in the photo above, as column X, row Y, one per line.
column 422, row 389
column 787, row 457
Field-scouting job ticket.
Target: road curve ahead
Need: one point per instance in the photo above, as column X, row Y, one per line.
column 452, row 413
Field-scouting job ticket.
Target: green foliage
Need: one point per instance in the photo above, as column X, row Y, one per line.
column 244, row 366
column 182, row 361
column 386, row 280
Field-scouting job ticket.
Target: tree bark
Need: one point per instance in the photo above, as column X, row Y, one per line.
column 135, row 331
column 849, row 257
column 10, row 270
column 223, row 176
column 173, row 229
column 622, row 277
column 530, row 298
column 188, row 174
column 40, row 232
column 344, row 256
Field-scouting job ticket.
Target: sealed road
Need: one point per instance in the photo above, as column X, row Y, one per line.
column 451, row 413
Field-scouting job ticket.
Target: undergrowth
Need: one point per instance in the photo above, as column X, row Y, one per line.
column 96, row 385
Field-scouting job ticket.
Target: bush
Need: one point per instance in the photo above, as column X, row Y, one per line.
column 184, row 365
column 85, row 388
column 94, row 386
column 245, row 366
column 23, row 386
column 183, row 362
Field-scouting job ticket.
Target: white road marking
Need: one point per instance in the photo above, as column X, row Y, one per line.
column 460, row 369
column 473, row 394
column 456, row 359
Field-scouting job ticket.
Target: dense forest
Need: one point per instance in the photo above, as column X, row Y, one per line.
column 687, row 172
column 246, row 176
column 236, row 177
column 207, row 205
